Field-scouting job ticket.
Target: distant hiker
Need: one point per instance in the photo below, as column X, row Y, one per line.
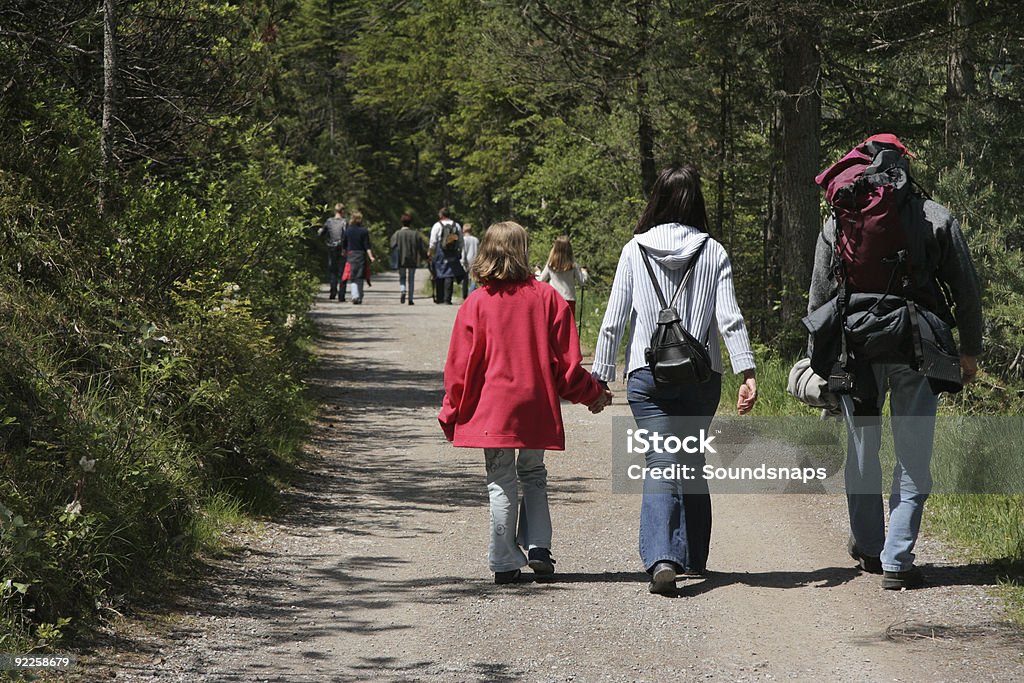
column 333, row 234
column 470, row 247
column 360, row 255
column 671, row 248
column 446, row 255
column 563, row 273
column 513, row 354
column 410, row 248
column 880, row 325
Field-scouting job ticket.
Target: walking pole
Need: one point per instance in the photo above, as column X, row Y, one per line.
column 579, row 323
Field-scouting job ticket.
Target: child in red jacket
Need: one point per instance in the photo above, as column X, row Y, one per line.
column 513, row 353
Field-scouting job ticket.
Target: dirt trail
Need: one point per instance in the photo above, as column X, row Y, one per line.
column 378, row 570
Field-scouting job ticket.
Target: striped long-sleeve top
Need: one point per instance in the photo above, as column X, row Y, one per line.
column 709, row 298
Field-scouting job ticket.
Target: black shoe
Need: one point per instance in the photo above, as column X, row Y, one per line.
column 502, row 578
column 334, row 295
column 357, row 301
column 663, row 579
column 403, row 297
column 872, row 564
column 410, row 302
column 894, row 581
column 541, row 562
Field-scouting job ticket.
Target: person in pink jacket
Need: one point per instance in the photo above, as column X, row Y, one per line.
column 514, row 352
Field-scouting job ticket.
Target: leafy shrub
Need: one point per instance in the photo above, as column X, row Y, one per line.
column 151, row 366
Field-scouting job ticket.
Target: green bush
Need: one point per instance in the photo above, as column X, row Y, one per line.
column 151, row 377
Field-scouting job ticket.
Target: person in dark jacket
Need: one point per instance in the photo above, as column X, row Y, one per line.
column 360, row 255
column 912, row 399
column 410, row 248
column 333, row 234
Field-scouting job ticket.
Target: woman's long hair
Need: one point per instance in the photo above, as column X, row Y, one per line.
column 675, row 198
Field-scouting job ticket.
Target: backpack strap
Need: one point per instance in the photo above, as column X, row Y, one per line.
column 915, row 329
column 682, row 283
column 689, row 269
column 840, row 275
column 654, row 281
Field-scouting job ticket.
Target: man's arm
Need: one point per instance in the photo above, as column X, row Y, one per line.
column 956, row 269
column 823, row 285
column 435, row 237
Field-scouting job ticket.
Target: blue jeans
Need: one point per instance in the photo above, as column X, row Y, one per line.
column 515, row 522
column 912, row 406
column 407, row 275
column 675, row 515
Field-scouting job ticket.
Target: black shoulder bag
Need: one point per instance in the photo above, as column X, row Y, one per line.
column 675, row 356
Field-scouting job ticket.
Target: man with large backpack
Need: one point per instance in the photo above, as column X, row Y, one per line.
column 887, row 264
column 445, row 251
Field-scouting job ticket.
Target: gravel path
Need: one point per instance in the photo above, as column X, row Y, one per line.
column 377, row 570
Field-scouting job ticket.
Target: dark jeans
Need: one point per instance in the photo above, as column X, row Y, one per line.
column 444, row 288
column 407, row 280
column 335, row 264
column 675, row 514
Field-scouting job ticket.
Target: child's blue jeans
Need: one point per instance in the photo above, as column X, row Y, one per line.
column 515, row 522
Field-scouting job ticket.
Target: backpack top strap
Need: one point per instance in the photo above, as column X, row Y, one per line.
column 654, row 281
column 689, row 269
column 682, row 283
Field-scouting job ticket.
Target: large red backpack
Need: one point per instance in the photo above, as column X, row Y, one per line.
column 867, row 191
column 879, row 229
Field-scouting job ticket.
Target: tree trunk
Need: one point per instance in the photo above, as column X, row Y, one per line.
column 797, row 215
column 107, row 158
column 645, row 125
column 960, row 81
column 723, row 146
column 330, row 77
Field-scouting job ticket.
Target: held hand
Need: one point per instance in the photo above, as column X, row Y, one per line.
column 968, row 368
column 747, row 395
column 601, row 402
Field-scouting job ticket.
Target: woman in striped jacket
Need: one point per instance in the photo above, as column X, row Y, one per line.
column 675, row 515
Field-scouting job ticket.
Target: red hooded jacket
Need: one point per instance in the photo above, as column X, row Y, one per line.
column 514, row 351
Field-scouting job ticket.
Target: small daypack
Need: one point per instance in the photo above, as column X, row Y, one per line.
column 450, row 239
column 675, row 356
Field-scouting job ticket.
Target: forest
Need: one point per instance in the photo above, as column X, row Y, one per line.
column 164, row 166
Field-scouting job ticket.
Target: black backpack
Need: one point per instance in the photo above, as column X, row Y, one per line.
column 675, row 356
column 451, row 239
